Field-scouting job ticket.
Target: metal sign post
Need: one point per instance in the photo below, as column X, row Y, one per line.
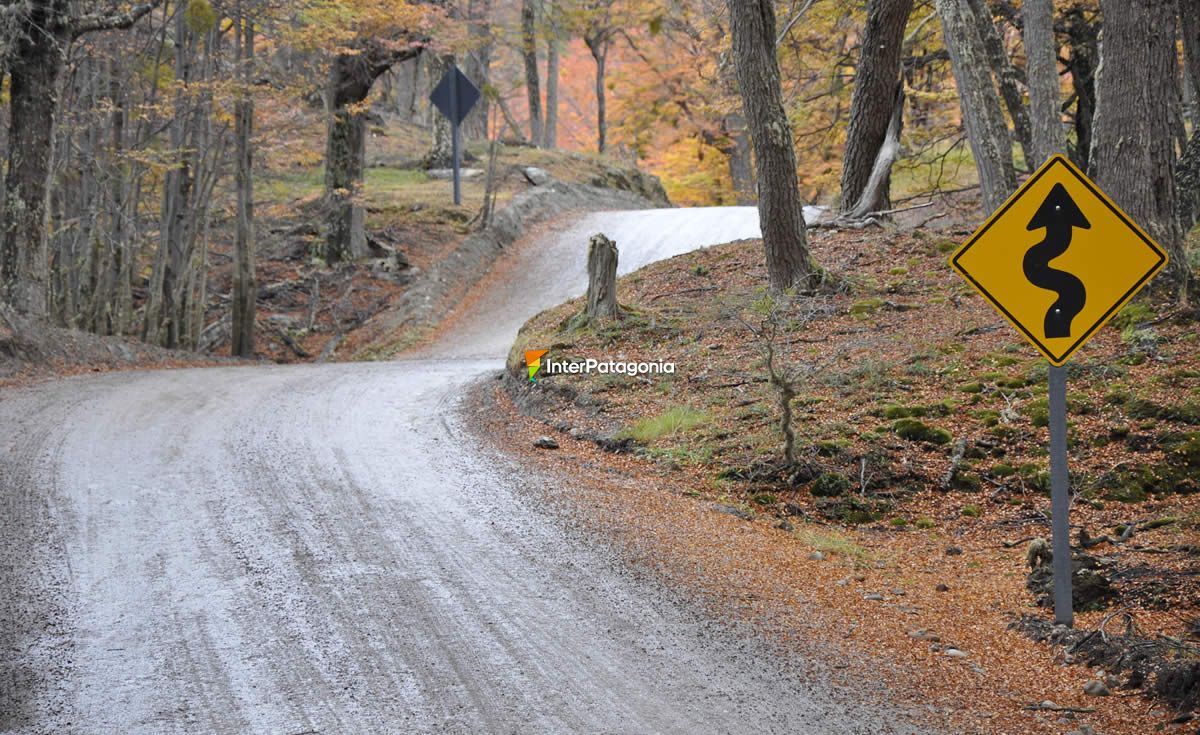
column 1090, row 260
column 1060, row 497
column 455, row 95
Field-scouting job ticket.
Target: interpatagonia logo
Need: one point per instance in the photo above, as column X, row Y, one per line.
column 533, row 362
column 534, row 365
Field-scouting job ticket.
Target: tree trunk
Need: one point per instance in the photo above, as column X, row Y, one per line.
column 1006, row 74
column 34, row 74
column 350, row 78
column 1133, row 154
column 872, row 103
column 874, row 196
column 1189, row 29
column 1041, row 52
column 780, row 211
column 599, row 48
column 533, row 91
column 741, row 168
column 550, row 134
column 245, row 287
column 1081, row 63
column 602, row 280
column 982, row 117
column 477, row 66
column 1187, row 176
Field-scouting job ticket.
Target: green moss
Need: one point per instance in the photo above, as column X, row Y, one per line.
column 764, row 499
column 1185, row 413
column 945, row 246
column 1132, row 315
column 925, row 522
column 902, row 412
column 970, row 511
column 1183, row 449
column 898, row 522
column 1003, row 470
column 831, row 447
column 987, row 416
column 1004, row 433
column 1038, row 412
column 865, row 307
column 829, row 485
column 914, row 430
column 970, row 388
column 1116, row 397
column 967, row 482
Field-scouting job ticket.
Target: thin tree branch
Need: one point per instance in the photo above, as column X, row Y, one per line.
column 795, row 18
column 93, row 22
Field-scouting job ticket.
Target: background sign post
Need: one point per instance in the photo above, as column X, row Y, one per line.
column 454, row 96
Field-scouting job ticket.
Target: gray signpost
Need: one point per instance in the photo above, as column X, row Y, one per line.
column 454, row 96
column 1060, row 497
column 1058, row 288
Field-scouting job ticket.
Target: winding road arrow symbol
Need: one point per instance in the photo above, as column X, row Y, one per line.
column 1060, row 216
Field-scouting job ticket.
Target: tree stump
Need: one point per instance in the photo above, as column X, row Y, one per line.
column 602, row 279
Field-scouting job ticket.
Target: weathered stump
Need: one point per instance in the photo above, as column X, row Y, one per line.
column 602, row 280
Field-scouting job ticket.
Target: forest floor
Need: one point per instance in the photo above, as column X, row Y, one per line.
column 901, row 532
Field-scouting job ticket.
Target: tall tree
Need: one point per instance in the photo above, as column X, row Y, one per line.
column 245, row 288
column 350, row 78
column 982, row 116
column 598, row 33
column 871, row 106
column 1189, row 28
column 780, row 211
column 477, row 65
column 1187, row 176
column 1007, row 75
column 1133, row 151
column 553, row 65
column 1081, row 26
column 1041, row 54
column 43, row 31
column 533, row 92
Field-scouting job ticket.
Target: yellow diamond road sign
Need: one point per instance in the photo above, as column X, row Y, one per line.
column 1059, row 259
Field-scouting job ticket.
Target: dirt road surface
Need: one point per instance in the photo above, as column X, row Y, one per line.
column 326, row 549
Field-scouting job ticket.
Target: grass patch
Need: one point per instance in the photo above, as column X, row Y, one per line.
column 831, row 542
column 672, row 422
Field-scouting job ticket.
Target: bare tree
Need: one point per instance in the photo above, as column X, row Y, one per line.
column 533, row 90
column 1010, row 79
column 1187, row 176
column 982, row 116
column 245, row 288
column 553, row 65
column 874, row 99
column 780, row 211
column 598, row 34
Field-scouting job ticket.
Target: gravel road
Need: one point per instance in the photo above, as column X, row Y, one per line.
column 325, row 549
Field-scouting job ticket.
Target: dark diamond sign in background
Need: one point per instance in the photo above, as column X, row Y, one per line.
column 454, row 96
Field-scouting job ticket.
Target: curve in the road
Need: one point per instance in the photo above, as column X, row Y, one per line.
column 324, row 549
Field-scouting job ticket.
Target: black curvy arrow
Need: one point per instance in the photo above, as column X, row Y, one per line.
column 1059, row 215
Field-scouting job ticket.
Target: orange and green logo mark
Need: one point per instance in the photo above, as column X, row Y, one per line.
column 533, row 362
